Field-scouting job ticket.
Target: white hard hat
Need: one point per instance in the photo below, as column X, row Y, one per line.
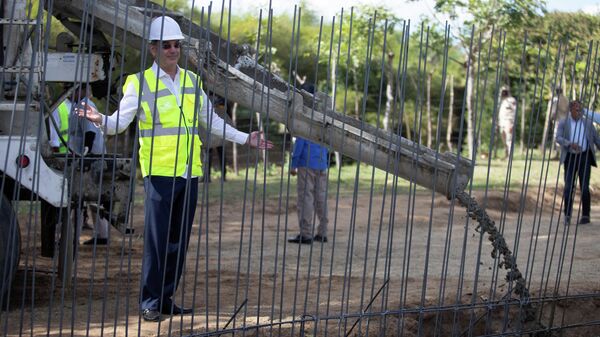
column 164, row 28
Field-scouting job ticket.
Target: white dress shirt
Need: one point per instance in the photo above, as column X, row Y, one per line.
column 506, row 112
column 578, row 133
column 128, row 108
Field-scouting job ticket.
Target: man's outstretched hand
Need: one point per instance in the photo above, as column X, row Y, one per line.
column 257, row 139
column 89, row 112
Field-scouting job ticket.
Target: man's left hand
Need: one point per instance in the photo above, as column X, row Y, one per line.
column 256, row 139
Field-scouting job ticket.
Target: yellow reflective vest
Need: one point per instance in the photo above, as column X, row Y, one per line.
column 63, row 115
column 168, row 133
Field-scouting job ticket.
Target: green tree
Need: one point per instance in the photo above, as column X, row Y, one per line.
column 426, row 69
column 348, row 51
column 558, row 53
column 476, row 20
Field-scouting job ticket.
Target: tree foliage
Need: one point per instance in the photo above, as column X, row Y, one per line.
column 517, row 41
column 484, row 15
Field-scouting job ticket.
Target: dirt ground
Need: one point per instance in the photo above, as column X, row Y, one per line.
column 431, row 273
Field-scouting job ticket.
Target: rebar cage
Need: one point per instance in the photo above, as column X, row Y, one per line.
column 429, row 231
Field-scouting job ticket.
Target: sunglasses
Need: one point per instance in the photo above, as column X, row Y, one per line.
column 166, row 45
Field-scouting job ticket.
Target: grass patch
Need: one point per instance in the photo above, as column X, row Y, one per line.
column 275, row 182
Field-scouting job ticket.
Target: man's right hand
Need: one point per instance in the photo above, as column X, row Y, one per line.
column 575, row 147
column 256, row 139
column 89, row 112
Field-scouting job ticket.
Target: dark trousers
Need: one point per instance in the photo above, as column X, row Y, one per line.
column 169, row 208
column 577, row 165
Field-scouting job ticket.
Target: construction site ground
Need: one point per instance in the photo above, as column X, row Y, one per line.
column 247, row 257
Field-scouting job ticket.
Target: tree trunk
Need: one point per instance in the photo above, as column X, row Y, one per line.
column 450, row 115
column 547, row 123
column 407, row 128
column 355, row 87
column 388, row 107
column 429, row 110
column 402, row 119
column 593, row 99
column 234, row 150
column 389, row 93
column 565, row 88
column 336, row 154
column 470, row 114
column 522, row 133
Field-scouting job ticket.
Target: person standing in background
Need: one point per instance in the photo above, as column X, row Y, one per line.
column 310, row 162
column 506, row 119
column 60, row 115
column 578, row 140
column 82, row 137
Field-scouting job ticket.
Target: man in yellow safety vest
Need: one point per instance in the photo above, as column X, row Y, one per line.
column 171, row 106
column 61, row 117
column 81, row 137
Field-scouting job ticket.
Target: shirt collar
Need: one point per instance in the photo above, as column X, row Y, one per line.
column 162, row 73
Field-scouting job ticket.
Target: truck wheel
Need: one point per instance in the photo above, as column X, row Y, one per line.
column 10, row 247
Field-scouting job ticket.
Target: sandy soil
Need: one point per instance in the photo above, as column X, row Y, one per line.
column 431, row 272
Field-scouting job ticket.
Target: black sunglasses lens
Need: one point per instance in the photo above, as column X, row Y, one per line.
column 169, row 45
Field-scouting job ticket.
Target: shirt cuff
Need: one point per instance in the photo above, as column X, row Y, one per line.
column 102, row 125
column 99, row 124
column 241, row 138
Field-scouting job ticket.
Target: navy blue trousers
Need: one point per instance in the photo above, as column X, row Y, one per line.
column 577, row 166
column 169, row 208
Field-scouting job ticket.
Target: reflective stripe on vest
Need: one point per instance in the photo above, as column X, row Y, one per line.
column 63, row 115
column 168, row 142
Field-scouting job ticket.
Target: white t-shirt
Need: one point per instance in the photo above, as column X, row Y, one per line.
column 506, row 112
